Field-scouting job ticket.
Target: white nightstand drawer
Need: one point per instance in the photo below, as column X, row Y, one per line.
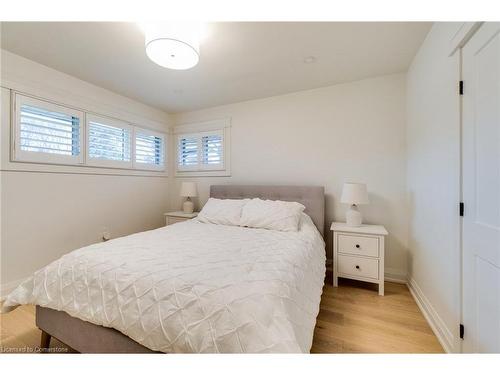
column 358, row 245
column 362, row 262
column 357, row 266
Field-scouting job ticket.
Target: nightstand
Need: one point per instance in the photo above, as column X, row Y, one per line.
column 178, row 216
column 358, row 253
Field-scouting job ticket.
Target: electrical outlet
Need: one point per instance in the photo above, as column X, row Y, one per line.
column 106, row 235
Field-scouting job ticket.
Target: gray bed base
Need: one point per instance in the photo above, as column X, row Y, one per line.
column 81, row 336
column 85, row 337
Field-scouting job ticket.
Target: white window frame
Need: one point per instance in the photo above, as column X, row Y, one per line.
column 44, row 157
column 145, row 166
column 66, row 163
column 198, row 130
column 200, row 167
column 102, row 162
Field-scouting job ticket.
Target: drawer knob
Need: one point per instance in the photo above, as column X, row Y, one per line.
column 357, row 246
column 357, row 267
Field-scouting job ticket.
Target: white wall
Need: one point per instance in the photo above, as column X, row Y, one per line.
column 433, row 139
column 353, row 131
column 45, row 214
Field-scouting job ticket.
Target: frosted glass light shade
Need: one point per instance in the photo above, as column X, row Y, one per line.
column 354, row 193
column 189, row 189
column 173, row 45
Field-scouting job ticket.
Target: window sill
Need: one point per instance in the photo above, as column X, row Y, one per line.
column 20, row 166
column 223, row 173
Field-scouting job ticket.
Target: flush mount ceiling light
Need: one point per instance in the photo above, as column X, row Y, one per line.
column 173, row 45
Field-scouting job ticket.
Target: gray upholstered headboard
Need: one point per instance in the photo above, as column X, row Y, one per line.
column 313, row 197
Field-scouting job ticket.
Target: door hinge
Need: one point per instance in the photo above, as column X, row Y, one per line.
column 461, row 87
column 462, row 330
column 461, row 209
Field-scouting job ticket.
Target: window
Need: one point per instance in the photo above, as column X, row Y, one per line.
column 149, row 149
column 203, row 149
column 211, row 150
column 46, row 132
column 188, row 151
column 108, row 142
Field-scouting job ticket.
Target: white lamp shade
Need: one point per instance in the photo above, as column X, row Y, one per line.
column 188, row 189
column 354, row 193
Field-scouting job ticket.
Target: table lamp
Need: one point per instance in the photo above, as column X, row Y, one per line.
column 354, row 194
column 188, row 191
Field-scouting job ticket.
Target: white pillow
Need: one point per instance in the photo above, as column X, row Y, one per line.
column 276, row 215
column 222, row 211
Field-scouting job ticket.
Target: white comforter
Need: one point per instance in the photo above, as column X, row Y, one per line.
column 193, row 287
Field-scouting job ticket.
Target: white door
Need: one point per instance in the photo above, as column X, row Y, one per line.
column 481, row 190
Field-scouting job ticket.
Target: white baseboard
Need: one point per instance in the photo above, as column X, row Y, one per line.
column 443, row 334
column 395, row 276
column 6, row 288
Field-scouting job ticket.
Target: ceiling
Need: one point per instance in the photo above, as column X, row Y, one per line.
column 238, row 61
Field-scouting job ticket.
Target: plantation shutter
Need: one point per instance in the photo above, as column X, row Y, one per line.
column 46, row 132
column 149, row 148
column 188, row 151
column 108, row 141
column 212, row 149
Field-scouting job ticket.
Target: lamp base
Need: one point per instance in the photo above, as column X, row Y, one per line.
column 188, row 206
column 353, row 217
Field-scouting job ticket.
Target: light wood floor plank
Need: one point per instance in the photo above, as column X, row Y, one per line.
column 355, row 319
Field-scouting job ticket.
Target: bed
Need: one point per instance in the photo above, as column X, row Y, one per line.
column 189, row 287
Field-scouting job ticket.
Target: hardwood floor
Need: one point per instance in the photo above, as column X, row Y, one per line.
column 353, row 319
column 19, row 334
